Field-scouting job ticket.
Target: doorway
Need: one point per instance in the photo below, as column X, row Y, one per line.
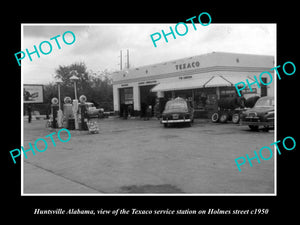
column 126, row 102
column 147, row 99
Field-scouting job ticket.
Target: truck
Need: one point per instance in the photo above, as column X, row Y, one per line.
column 230, row 108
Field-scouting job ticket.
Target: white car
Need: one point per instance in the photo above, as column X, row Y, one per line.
column 92, row 111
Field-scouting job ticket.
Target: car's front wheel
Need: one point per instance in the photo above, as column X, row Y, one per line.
column 266, row 128
column 236, row 118
column 253, row 127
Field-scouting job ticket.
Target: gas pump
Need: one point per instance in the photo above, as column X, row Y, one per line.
column 68, row 113
column 75, row 114
column 83, row 113
column 54, row 110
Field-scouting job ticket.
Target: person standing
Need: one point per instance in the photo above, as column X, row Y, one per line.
column 157, row 109
column 29, row 113
column 148, row 112
column 143, row 110
column 125, row 111
column 129, row 109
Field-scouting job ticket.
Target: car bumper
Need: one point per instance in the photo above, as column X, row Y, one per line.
column 176, row 121
column 256, row 122
column 93, row 115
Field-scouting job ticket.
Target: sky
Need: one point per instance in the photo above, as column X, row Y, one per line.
column 99, row 45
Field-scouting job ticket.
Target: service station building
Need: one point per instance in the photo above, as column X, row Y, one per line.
column 201, row 79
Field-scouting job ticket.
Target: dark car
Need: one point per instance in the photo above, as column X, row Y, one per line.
column 177, row 111
column 262, row 114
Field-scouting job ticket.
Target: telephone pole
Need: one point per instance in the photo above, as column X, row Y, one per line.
column 127, row 58
column 120, row 59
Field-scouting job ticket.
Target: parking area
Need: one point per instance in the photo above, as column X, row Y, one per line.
column 137, row 156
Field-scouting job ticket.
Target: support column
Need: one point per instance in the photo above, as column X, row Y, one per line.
column 218, row 92
column 136, row 98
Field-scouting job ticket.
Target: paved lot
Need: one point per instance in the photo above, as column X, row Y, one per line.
column 136, row 156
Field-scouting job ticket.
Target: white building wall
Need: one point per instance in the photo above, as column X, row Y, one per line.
column 136, row 97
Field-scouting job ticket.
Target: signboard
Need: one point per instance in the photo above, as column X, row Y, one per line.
column 33, row 93
column 187, row 65
column 247, row 90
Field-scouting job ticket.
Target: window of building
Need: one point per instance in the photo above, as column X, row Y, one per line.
column 263, row 91
column 204, row 97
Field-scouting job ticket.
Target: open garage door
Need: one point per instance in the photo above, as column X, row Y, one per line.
column 147, row 98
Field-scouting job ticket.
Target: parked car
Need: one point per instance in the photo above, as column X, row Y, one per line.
column 177, row 111
column 93, row 112
column 262, row 114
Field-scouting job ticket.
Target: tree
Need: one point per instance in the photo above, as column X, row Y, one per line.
column 63, row 73
column 50, row 91
column 97, row 87
column 102, row 93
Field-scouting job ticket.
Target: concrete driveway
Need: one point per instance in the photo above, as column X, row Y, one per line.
column 136, row 156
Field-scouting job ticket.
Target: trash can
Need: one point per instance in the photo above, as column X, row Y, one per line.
column 54, row 110
column 68, row 113
column 71, row 124
column 83, row 116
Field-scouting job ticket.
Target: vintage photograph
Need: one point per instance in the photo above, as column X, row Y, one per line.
column 105, row 111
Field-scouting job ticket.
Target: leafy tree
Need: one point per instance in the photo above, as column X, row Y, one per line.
column 63, row 73
column 102, row 92
column 50, row 91
column 97, row 87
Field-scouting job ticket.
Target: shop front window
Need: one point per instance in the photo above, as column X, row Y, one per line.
column 185, row 94
column 204, row 98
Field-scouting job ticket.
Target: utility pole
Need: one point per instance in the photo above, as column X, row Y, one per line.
column 127, row 58
column 120, row 59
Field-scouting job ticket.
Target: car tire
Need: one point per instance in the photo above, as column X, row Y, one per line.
column 253, row 127
column 166, row 125
column 224, row 117
column 236, row 118
column 215, row 117
column 266, row 128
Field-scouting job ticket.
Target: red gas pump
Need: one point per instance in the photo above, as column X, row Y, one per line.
column 68, row 113
column 54, row 110
column 83, row 113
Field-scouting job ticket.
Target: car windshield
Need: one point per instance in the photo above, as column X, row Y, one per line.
column 264, row 102
column 90, row 104
column 176, row 105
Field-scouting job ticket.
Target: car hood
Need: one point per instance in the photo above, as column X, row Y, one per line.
column 260, row 109
column 93, row 110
